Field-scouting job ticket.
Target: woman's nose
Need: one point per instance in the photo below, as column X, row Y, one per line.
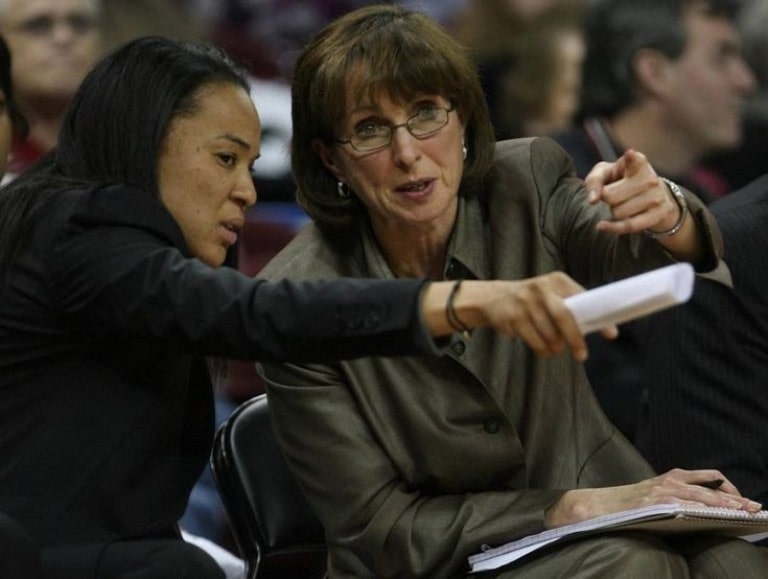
column 405, row 147
column 245, row 191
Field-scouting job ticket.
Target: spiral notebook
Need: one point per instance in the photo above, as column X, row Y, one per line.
column 665, row 518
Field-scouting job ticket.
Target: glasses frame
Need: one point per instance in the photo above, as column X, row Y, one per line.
column 407, row 126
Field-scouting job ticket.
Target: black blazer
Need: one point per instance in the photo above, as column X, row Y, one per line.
column 105, row 399
column 708, row 360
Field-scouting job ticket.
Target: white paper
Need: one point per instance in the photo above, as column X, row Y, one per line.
column 632, row 298
column 663, row 518
column 507, row 557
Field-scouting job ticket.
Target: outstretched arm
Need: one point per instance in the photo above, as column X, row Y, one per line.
column 532, row 310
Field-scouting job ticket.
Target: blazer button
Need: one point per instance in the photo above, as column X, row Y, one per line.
column 492, row 426
column 458, row 348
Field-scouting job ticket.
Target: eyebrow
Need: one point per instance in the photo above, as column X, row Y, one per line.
column 365, row 109
column 235, row 139
column 373, row 108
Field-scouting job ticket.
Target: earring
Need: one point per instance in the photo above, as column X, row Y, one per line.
column 342, row 190
column 464, row 152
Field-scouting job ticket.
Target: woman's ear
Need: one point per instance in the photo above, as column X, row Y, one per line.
column 327, row 157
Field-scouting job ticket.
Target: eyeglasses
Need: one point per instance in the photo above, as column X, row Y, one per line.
column 370, row 136
column 45, row 24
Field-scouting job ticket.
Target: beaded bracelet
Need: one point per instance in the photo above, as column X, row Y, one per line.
column 452, row 316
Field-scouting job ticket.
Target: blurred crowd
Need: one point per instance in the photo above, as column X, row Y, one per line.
column 531, row 55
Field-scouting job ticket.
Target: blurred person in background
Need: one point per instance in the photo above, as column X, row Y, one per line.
column 749, row 161
column 54, row 44
column 530, row 62
column 667, row 78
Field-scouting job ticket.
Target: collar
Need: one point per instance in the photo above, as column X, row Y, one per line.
column 465, row 257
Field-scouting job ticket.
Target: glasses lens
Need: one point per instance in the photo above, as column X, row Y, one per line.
column 428, row 121
column 367, row 141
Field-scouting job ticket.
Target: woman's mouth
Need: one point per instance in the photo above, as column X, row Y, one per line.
column 416, row 190
column 230, row 233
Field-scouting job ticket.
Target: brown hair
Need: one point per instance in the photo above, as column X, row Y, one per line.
column 404, row 54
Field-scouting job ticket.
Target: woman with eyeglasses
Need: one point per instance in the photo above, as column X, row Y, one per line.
column 414, row 464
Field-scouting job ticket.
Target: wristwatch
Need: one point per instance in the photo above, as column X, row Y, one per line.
column 677, row 194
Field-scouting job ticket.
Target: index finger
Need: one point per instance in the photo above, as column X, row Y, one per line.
column 602, row 174
column 715, row 480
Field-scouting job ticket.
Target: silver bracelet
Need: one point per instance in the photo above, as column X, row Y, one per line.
column 681, row 203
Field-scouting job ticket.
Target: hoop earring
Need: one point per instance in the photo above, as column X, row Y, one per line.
column 342, row 190
column 464, row 152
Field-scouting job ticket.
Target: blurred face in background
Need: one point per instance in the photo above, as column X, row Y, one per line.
column 540, row 92
column 54, row 44
column 563, row 95
column 706, row 87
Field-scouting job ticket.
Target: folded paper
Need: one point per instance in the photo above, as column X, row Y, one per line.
column 632, row 298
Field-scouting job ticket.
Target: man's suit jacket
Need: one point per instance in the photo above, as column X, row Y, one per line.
column 413, row 464
column 105, row 398
column 708, row 360
column 615, row 368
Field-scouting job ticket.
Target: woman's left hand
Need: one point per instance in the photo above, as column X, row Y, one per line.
column 638, row 198
column 679, row 486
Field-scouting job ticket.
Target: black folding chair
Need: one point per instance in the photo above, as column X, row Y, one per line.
column 272, row 523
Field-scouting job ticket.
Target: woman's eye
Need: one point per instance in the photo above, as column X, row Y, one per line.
column 426, row 111
column 227, row 158
column 368, row 129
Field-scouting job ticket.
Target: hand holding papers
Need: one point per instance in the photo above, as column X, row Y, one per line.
column 665, row 518
column 632, row 297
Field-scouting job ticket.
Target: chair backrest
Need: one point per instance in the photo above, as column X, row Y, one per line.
column 272, row 523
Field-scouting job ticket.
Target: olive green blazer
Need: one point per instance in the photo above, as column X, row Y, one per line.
column 412, row 464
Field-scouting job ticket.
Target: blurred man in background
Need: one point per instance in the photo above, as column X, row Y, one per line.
column 54, row 44
column 667, row 78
